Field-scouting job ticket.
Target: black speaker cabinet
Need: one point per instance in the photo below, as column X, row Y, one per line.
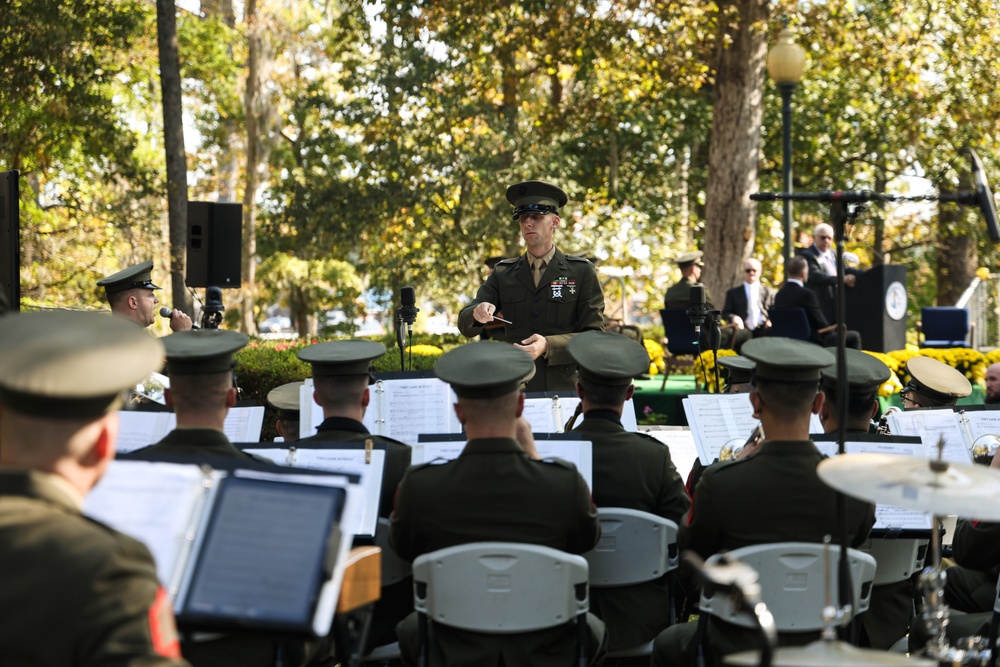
column 214, row 244
column 10, row 252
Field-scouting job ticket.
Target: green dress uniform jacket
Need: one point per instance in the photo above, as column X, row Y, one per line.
column 396, row 602
column 634, row 471
column 494, row 492
column 568, row 300
column 679, row 295
column 397, row 454
column 194, row 442
column 75, row 591
column 773, row 496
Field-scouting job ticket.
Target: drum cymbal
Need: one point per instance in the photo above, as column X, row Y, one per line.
column 827, row 654
column 966, row 490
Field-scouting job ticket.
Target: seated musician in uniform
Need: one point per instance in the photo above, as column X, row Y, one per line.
column 888, row 616
column 75, row 591
column 285, row 399
column 773, row 495
column 200, row 367
column 631, row 470
column 493, row 492
column 933, row 384
column 341, row 378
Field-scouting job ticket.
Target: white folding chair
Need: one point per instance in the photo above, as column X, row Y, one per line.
column 635, row 547
column 501, row 588
column 793, row 584
column 896, row 559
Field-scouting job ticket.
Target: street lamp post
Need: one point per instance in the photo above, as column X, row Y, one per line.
column 786, row 61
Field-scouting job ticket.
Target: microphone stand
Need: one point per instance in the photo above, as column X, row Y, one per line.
column 405, row 315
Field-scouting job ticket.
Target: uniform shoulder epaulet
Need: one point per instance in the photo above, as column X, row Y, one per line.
column 577, row 258
column 723, row 466
column 437, row 461
column 643, row 434
column 551, row 460
column 389, row 441
column 505, row 262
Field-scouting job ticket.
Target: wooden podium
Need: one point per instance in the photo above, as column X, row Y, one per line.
column 876, row 308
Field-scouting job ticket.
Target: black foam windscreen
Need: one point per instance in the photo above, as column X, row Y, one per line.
column 407, row 297
column 697, row 295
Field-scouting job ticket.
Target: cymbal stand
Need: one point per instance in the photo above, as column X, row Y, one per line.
column 932, row 581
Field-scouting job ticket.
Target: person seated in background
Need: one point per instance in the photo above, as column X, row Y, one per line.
column 630, row 470
column 747, row 501
column 992, row 384
column 933, row 384
column 793, row 294
column 746, row 305
column 679, row 294
column 493, row 492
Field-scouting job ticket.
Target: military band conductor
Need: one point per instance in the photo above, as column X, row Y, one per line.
column 545, row 296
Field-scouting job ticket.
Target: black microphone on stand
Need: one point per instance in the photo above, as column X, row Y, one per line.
column 984, row 197
column 406, row 313
column 697, row 311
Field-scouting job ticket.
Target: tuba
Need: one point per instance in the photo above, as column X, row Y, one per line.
column 882, row 426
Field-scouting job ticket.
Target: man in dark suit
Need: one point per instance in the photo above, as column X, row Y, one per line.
column 747, row 304
column 822, row 277
column 545, row 296
column 493, row 492
column 748, row 501
column 794, row 294
column 75, row 591
column 631, row 470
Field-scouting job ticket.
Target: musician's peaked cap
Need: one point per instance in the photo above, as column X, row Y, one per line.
column 342, row 357
column 140, row 275
column 484, row 370
column 202, row 351
column 608, row 358
column 786, row 360
column 865, row 373
column 285, row 399
column 536, row 197
column 937, row 379
column 689, row 258
column 740, row 368
column 71, row 365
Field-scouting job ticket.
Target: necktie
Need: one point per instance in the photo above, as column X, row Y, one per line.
column 537, row 269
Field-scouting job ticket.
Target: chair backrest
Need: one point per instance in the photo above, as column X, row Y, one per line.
column 677, row 327
column 394, row 568
column 896, row 559
column 500, row 587
column 944, row 326
column 793, row 584
column 635, row 547
column 789, row 323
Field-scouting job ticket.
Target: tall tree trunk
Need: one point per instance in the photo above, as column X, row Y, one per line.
column 229, row 162
column 248, row 323
column 173, row 130
column 957, row 254
column 734, row 152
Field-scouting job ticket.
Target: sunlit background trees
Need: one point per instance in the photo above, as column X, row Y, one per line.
column 379, row 137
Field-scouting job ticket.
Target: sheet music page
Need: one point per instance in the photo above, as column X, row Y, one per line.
column 715, row 419
column 628, row 416
column 815, row 425
column 244, row 424
column 412, row 406
column 683, row 451
column 929, row 426
column 341, row 460
column 577, row 452
column 141, row 429
column 540, row 413
column 982, row 422
column 887, row 517
column 310, row 412
column 158, row 504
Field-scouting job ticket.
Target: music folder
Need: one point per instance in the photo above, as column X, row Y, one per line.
column 238, row 549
